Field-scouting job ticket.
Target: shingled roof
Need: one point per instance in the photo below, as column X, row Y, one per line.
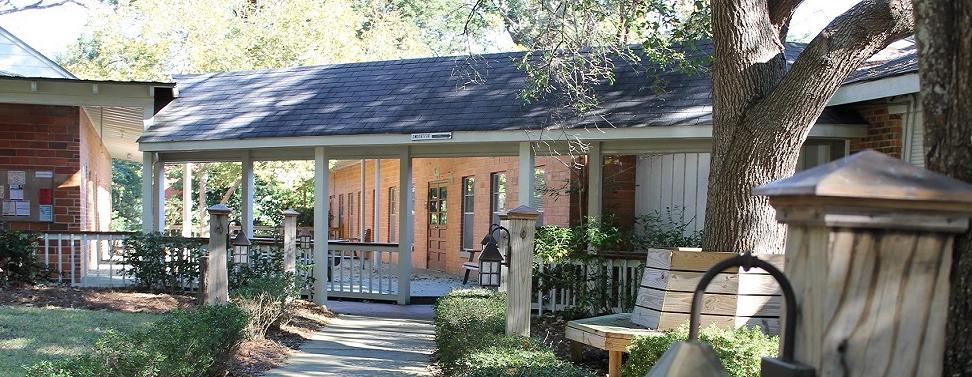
column 425, row 95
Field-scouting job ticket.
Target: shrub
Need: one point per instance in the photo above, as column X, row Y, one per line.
column 470, row 328
column 464, row 319
column 554, row 243
column 261, row 263
column 184, row 343
column 162, row 263
column 665, row 230
column 266, row 302
column 19, row 263
column 739, row 350
column 515, row 357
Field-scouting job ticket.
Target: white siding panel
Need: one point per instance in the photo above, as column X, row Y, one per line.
column 676, row 181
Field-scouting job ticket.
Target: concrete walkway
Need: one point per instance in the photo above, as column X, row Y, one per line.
column 367, row 340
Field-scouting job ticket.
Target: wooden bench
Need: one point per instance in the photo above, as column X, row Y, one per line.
column 470, row 265
column 612, row 333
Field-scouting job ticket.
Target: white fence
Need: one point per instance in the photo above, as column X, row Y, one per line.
column 84, row 258
column 608, row 282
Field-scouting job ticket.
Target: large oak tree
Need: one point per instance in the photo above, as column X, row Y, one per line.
column 944, row 36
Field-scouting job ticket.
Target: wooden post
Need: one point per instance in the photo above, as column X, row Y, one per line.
column 869, row 253
column 522, row 224
column 290, row 240
column 216, row 279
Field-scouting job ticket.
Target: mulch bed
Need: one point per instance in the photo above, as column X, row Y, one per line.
column 551, row 330
column 253, row 357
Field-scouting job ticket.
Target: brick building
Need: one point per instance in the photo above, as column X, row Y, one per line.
column 58, row 135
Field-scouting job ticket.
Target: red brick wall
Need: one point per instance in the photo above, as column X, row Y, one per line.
column 884, row 131
column 345, row 179
column 60, row 139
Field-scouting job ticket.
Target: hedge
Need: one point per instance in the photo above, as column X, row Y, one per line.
column 739, row 350
column 470, row 328
column 184, row 343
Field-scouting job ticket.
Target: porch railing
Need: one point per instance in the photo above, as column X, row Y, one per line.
column 609, row 281
column 84, row 258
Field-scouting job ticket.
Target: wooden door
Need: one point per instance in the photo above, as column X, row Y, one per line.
column 438, row 224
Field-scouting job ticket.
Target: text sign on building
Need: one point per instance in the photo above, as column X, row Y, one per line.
column 432, row 136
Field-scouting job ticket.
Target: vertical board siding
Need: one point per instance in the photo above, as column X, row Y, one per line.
column 676, row 181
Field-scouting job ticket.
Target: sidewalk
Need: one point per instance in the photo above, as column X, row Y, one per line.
column 367, row 340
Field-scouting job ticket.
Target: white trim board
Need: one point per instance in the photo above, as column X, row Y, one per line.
column 466, row 139
column 871, row 90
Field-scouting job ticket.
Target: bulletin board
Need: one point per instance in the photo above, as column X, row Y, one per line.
column 27, row 195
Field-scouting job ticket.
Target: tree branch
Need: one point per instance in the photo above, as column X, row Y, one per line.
column 780, row 14
column 8, row 6
column 838, row 50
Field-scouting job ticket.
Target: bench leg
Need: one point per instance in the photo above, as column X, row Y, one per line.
column 614, row 363
column 576, row 351
column 465, row 278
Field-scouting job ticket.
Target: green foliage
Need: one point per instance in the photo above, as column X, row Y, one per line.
column 600, row 233
column 19, row 263
column 470, row 328
column 184, row 343
column 668, row 230
column 553, row 243
column 266, row 301
column 161, row 263
column 739, row 350
column 586, row 277
column 126, row 195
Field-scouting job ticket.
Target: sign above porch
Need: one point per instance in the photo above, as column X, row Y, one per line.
column 428, row 136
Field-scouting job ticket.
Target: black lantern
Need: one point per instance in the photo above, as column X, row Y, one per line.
column 491, row 261
column 239, row 243
column 694, row 358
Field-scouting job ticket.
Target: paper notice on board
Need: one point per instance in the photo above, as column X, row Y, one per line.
column 16, row 192
column 23, row 208
column 45, row 213
column 16, row 177
column 9, row 208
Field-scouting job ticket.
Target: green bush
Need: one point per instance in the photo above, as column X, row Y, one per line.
column 470, row 328
column 19, row 263
column 739, row 350
column 162, row 263
column 554, row 243
column 664, row 230
column 266, row 301
column 184, row 343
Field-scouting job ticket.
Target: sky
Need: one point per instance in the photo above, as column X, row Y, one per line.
column 51, row 31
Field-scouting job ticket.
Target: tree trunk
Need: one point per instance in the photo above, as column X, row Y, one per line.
column 944, row 36
column 762, row 113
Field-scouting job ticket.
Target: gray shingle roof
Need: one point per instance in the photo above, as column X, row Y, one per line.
column 421, row 95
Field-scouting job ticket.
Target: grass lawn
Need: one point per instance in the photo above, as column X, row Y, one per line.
column 30, row 334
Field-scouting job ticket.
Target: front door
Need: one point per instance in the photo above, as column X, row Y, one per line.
column 438, row 224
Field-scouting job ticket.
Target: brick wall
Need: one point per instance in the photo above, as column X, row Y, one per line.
column 450, row 171
column 884, row 130
column 59, row 139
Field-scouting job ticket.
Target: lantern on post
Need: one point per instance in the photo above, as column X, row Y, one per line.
column 239, row 242
column 694, row 358
column 491, row 261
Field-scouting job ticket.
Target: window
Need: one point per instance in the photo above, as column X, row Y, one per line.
column 468, row 206
column 340, row 217
column 539, row 188
column 351, row 221
column 392, row 214
column 437, row 205
column 497, row 195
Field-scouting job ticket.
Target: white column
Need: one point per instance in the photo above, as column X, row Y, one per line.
column 187, row 199
column 148, row 190
column 405, row 220
column 377, row 211
column 525, row 181
column 361, row 202
column 595, row 178
column 246, row 201
column 203, row 182
column 321, row 266
column 158, row 195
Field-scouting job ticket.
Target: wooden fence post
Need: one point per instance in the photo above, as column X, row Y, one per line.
column 216, row 279
column 522, row 224
column 868, row 252
column 290, row 240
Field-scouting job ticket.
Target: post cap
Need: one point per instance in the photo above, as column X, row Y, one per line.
column 290, row 212
column 874, row 176
column 218, row 209
column 521, row 212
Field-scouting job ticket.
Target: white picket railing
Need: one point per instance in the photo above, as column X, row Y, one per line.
column 84, row 258
column 620, row 274
column 363, row 270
